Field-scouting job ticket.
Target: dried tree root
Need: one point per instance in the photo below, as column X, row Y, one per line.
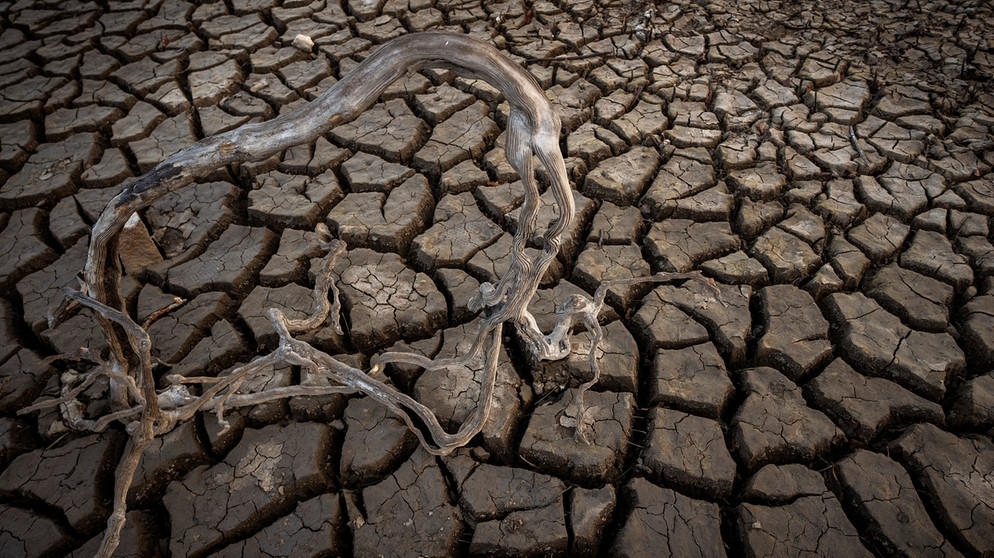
column 532, row 131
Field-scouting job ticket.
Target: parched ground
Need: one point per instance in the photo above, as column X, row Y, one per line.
column 828, row 164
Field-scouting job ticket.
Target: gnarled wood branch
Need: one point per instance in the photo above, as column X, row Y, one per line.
column 533, row 130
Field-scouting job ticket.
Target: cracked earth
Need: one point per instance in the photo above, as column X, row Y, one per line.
column 828, row 165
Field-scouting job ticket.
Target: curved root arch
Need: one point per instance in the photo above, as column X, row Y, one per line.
column 533, row 130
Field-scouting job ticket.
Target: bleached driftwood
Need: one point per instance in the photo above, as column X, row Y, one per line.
column 532, row 129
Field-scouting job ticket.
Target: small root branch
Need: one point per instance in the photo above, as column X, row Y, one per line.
column 154, row 316
column 855, row 144
column 557, row 345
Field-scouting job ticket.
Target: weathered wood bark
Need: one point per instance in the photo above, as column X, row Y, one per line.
column 533, row 130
